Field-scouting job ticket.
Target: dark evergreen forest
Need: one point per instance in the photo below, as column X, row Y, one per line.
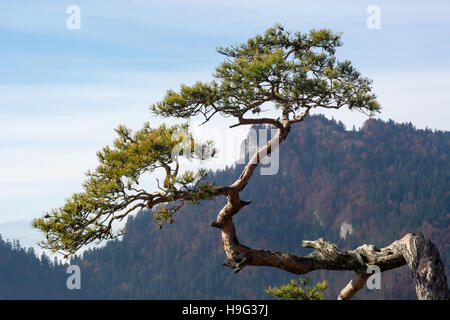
column 384, row 180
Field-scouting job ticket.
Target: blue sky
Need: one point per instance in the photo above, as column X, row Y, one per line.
column 63, row 91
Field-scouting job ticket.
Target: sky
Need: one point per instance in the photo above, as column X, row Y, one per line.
column 63, row 91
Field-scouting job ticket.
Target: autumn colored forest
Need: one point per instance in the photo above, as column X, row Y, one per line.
column 351, row 187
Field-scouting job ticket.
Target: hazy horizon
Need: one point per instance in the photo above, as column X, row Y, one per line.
column 64, row 91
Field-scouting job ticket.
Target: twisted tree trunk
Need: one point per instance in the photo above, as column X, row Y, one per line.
column 421, row 255
column 424, row 262
column 426, row 267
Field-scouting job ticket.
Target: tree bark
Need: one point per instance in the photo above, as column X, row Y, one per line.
column 427, row 269
column 421, row 256
column 356, row 284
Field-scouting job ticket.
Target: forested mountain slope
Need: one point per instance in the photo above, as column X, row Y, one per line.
column 350, row 187
column 376, row 184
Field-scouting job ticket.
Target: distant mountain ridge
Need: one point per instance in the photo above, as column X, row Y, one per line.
column 20, row 230
column 350, row 187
